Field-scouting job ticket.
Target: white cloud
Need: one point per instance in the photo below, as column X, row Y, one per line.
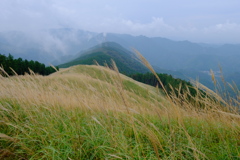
column 196, row 21
column 219, row 33
column 156, row 27
column 225, row 27
column 222, row 33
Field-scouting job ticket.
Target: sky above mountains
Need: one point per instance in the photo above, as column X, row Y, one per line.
column 215, row 21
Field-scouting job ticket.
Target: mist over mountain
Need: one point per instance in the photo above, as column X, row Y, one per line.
column 45, row 46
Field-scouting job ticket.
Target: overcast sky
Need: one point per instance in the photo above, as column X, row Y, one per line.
column 209, row 21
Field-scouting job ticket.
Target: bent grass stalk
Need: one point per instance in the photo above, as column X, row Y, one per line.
column 87, row 112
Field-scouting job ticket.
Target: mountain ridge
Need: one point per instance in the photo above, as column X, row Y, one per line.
column 104, row 53
column 58, row 46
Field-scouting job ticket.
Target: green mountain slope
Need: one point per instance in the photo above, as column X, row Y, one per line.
column 126, row 61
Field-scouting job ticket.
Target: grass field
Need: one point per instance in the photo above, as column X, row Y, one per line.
column 92, row 112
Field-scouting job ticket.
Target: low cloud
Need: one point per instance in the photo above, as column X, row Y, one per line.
column 118, row 17
column 219, row 33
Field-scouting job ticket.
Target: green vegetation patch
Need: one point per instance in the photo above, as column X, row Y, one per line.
column 105, row 53
column 39, row 132
column 19, row 66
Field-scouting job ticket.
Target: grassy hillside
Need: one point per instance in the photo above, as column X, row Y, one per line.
column 104, row 53
column 91, row 112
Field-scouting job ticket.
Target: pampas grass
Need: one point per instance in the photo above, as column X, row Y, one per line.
column 93, row 112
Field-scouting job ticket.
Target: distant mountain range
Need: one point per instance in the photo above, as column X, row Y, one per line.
column 182, row 59
column 181, row 55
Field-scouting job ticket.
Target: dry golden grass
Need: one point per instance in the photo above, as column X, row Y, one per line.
column 92, row 112
column 68, row 88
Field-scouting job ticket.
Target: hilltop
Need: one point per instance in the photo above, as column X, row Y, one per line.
column 92, row 112
column 126, row 61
